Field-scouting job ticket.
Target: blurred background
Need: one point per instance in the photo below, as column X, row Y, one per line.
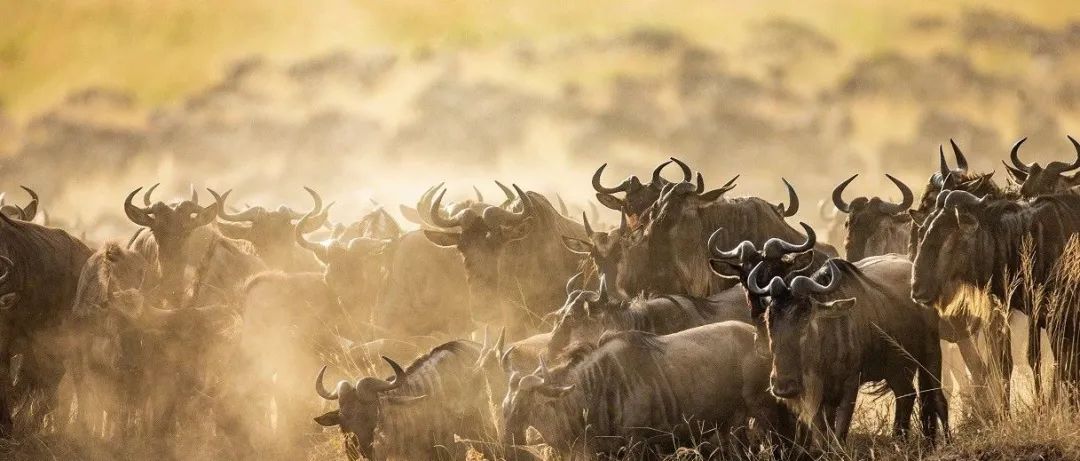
column 375, row 99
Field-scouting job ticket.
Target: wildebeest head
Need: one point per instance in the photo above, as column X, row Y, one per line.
column 527, row 391
column 272, row 231
column 1035, row 180
column 792, row 310
column 981, row 184
column 359, row 407
column 777, row 258
column 481, row 232
column 171, row 224
column 582, row 317
column 948, row 253
column 603, row 248
column 637, row 196
column 23, row 213
column 355, row 268
column 875, row 226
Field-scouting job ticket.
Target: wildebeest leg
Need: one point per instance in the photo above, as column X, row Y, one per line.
column 1000, row 341
column 904, row 391
column 975, row 364
column 931, row 393
column 846, row 408
column 1034, row 354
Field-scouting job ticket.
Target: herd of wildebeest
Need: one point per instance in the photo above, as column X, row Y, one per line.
column 701, row 320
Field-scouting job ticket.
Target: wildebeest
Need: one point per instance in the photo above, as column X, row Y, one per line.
column 394, row 284
column 603, row 249
column 637, row 196
column 416, row 413
column 638, row 392
column 847, row 325
column 588, row 314
column 1036, row 180
column 271, row 232
column 24, row 213
column 41, row 269
column 777, row 258
column 978, row 243
column 113, row 329
column 195, row 262
column 875, row 226
column 670, row 252
column 981, row 184
column 514, row 256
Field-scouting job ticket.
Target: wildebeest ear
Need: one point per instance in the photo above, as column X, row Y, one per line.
column 519, row 231
column 610, row 201
column 836, row 308
column 577, row 246
column 332, row 418
column 967, row 222
column 397, row 400
column 725, row 269
column 410, row 214
column 714, row 194
column 443, row 239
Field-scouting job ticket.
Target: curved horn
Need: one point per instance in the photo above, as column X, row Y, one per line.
column 728, row 186
column 595, row 184
column 961, row 162
column 656, row 178
column 247, row 215
column 146, row 197
column 908, row 200
column 1076, row 146
column 30, row 210
column 194, row 195
column 562, row 205
column 320, row 251
column 776, row 247
column 436, row 213
column 321, row 389
column 793, row 201
column 740, row 252
column 775, row 287
column 1017, row 174
column 687, row 174
column 1061, row 167
column 958, row 198
column 588, row 228
column 479, row 196
column 574, row 281
column 316, row 207
column 504, row 360
column 399, row 377
column 838, row 195
column 802, row 285
column 700, row 185
column 137, row 215
column 315, row 222
column 506, row 191
column 943, row 166
column 1014, row 155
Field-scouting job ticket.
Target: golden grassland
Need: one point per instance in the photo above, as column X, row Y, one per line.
column 163, row 49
